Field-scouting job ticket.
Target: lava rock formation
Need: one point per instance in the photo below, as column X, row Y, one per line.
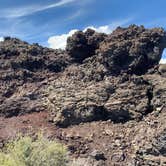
column 113, row 78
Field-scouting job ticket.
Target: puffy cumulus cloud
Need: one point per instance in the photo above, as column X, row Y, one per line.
column 1, row 39
column 59, row 41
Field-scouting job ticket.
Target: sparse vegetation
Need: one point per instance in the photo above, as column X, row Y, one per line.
column 28, row 152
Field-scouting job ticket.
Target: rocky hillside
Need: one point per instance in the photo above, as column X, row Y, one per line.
column 105, row 94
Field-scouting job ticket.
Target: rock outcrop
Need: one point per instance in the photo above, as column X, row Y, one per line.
column 73, row 102
column 83, row 45
column 133, row 49
column 108, row 79
column 24, row 69
column 113, row 81
column 98, row 77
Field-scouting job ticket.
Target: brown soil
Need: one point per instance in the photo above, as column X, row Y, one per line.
column 118, row 142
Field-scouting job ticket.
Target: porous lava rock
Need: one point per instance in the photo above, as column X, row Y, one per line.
column 134, row 49
column 109, row 81
column 24, row 72
column 83, row 45
column 73, row 102
column 107, row 91
column 97, row 77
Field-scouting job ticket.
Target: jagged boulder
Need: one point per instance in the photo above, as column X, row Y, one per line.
column 134, row 49
column 74, row 101
column 114, row 59
column 83, row 45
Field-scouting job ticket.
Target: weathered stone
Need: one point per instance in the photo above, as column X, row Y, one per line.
column 101, row 86
column 98, row 155
column 76, row 102
column 24, row 70
column 83, row 45
column 133, row 49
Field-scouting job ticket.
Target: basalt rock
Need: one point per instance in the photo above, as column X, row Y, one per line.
column 24, row 72
column 114, row 79
column 83, row 45
column 105, row 84
column 73, row 102
column 95, row 78
column 133, row 49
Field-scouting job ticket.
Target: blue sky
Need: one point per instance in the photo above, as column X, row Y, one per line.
column 42, row 22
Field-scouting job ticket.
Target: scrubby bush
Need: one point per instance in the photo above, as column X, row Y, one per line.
column 28, row 152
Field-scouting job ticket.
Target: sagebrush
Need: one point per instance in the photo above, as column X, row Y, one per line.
column 28, row 152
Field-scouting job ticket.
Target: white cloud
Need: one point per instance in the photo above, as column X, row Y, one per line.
column 109, row 28
column 103, row 29
column 1, row 39
column 59, row 41
column 28, row 10
column 163, row 61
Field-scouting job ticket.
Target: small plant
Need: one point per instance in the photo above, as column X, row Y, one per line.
column 28, row 152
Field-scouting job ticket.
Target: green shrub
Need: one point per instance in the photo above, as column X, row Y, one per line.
column 28, row 152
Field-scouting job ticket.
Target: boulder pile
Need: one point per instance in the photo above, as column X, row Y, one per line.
column 113, row 81
column 107, row 79
column 97, row 77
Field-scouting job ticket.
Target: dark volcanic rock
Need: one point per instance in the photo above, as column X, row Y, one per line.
column 73, row 102
column 23, row 67
column 101, row 86
column 113, row 79
column 97, row 155
column 133, row 49
column 83, row 45
column 104, row 86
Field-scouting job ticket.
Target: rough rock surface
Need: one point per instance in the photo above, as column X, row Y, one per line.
column 106, row 91
column 83, row 45
column 109, row 81
column 133, row 49
column 23, row 71
column 73, row 102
